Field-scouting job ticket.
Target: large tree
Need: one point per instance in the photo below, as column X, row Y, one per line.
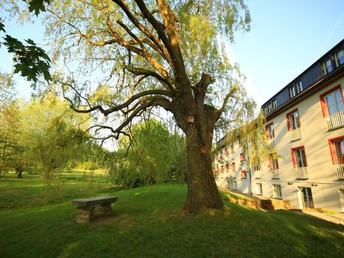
column 142, row 55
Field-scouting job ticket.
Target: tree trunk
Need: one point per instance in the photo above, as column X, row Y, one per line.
column 20, row 174
column 202, row 189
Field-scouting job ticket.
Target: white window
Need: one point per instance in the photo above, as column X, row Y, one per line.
column 293, row 120
column 339, row 57
column 340, row 151
column 270, row 131
column 337, row 150
column 295, row 89
column 277, row 191
column 334, row 102
column 259, row 188
column 327, row 66
column 299, row 157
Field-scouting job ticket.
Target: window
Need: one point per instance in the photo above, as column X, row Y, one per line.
column 332, row 102
column 256, row 166
column 270, row 107
column 243, row 174
column 293, row 120
column 274, row 104
column 327, row 66
column 277, row 191
column 232, row 148
column 273, row 163
column 337, row 150
column 233, row 167
column 292, row 91
column 299, row 86
column 227, row 168
column 295, row 89
column 259, row 188
column 269, row 131
column 299, row 157
column 242, row 156
column 339, row 57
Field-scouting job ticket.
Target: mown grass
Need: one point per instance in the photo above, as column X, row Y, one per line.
column 148, row 222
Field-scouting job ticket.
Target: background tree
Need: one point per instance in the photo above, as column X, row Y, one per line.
column 152, row 54
column 52, row 133
column 10, row 147
column 151, row 157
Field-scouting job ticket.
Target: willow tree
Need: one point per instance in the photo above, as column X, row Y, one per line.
column 139, row 55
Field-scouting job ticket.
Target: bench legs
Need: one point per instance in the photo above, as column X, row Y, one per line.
column 86, row 214
column 105, row 209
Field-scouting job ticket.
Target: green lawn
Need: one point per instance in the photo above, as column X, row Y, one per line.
column 147, row 222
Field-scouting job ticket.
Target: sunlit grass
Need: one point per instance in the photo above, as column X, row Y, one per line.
column 148, row 222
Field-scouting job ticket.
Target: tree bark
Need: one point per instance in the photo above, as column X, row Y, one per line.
column 19, row 174
column 202, row 193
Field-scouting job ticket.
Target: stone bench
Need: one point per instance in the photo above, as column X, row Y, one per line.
column 88, row 209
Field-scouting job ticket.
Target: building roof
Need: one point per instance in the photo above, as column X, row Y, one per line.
column 311, row 79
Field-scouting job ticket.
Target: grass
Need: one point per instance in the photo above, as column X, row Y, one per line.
column 147, row 222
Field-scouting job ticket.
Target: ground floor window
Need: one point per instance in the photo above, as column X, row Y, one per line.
column 259, row 188
column 307, row 197
column 341, row 196
column 277, row 191
column 232, row 183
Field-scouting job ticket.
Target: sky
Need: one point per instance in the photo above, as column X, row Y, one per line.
column 286, row 37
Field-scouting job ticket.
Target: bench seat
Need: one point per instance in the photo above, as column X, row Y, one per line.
column 86, row 207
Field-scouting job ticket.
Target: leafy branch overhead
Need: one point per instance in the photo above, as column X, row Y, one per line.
column 29, row 60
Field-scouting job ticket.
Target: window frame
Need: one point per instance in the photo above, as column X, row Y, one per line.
column 325, row 66
column 277, row 191
column 259, row 188
column 267, row 131
column 339, row 61
column 333, row 149
column 296, row 110
column 273, row 163
column 295, row 89
column 323, row 102
column 243, row 174
column 233, row 167
column 296, row 159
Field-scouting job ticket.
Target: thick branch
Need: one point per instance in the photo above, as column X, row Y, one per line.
column 141, row 95
column 146, row 72
column 144, row 30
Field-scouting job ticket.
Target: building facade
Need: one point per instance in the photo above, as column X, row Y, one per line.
column 305, row 123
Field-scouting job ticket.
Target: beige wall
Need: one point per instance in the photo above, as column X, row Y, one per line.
column 314, row 138
column 327, row 190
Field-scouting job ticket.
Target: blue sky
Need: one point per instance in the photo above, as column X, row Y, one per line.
column 286, row 37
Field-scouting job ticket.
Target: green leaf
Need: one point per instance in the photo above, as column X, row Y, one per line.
column 37, row 6
column 2, row 27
